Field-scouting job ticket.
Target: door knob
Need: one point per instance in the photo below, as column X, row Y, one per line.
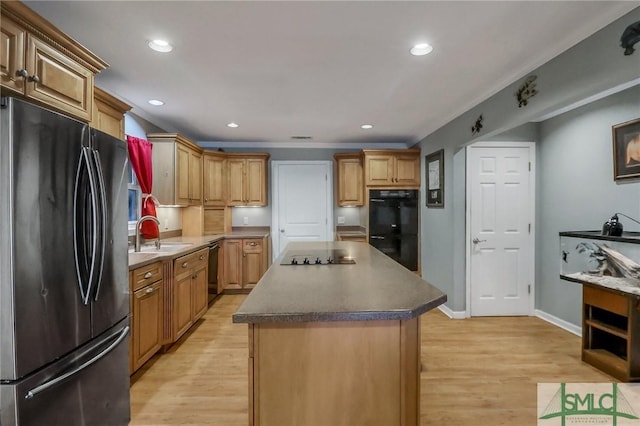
column 477, row 241
column 282, row 230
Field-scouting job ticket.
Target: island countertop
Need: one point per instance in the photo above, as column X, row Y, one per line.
column 374, row 288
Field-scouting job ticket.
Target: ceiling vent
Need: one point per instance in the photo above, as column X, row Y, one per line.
column 301, row 137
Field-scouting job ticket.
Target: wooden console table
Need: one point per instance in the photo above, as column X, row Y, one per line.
column 611, row 331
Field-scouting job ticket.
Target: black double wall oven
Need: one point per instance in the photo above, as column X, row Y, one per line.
column 393, row 224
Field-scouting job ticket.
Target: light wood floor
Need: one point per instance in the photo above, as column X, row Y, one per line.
column 477, row 372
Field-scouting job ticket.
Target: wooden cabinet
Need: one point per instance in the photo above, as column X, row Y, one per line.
column 247, row 179
column 354, row 238
column 189, row 290
column 108, row 113
column 349, row 180
column 146, row 284
column 42, row 64
column 393, row 168
column 245, row 261
column 177, row 167
column 611, row 332
column 215, row 178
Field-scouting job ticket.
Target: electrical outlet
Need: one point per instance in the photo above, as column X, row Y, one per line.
column 340, row 220
column 245, row 220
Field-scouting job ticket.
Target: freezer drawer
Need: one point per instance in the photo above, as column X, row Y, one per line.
column 97, row 394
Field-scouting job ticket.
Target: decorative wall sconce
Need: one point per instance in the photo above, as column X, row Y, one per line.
column 475, row 129
column 526, row 90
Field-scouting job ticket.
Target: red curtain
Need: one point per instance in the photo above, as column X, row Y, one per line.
column 141, row 162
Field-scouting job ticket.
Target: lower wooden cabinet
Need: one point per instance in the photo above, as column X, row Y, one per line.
column 245, row 261
column 147, row 301
column 190, row 293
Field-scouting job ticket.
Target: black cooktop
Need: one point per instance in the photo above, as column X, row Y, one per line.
column 317, row 257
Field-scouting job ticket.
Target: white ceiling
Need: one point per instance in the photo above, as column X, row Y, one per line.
column 320, row 68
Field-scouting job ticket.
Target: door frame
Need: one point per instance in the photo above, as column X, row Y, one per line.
column 532, row 213
column 275, row 241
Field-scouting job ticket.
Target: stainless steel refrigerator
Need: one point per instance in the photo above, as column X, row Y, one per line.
column 64, row 292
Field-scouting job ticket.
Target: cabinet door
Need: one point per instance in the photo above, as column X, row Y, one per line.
column 195, row 178
column 200, row 293
column 214, row 180
column 253, row 267
column 147, row 323
column 233, row 264
column 12, row 38
column 407, row 170
column 63, row 83
column 183, row 155
column 255, row 183
column 236, row 181
column 379, row 169
column 182, row 312
column 350, row 187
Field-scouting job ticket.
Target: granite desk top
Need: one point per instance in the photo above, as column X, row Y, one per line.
column 374, row 288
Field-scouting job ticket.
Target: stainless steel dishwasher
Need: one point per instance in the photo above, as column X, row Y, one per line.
column 213, row 270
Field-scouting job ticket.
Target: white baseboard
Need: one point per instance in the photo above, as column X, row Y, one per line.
column 452, row 314
column 565, row 325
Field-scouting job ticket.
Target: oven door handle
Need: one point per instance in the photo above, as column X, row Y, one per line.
column 376, row 237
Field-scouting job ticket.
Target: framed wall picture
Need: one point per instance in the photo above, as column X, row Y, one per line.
column 626, row 150
column 434, row 169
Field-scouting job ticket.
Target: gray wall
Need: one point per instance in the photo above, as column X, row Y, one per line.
column 576, row 190
column 592, row 67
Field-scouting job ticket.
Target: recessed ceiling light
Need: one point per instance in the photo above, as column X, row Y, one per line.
column 367, row 126
column 233, row 125
column 155, row 102
column 421, row 49
column 160, row 46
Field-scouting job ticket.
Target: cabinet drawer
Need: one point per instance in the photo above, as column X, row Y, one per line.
column 146, row 275
column 606, row 300
column 252, row 246
column 191, row 261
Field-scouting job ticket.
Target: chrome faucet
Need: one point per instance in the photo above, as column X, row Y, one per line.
column 138, row 223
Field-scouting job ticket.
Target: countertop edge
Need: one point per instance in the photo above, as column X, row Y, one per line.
column 390, row 315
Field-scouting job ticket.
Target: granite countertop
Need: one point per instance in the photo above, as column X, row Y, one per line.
column 374, row 288
column 143, row 258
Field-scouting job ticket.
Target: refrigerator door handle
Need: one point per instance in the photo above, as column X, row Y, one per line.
column 94, row 222
column 77, row 246
column 47, row 385
column 103, row 218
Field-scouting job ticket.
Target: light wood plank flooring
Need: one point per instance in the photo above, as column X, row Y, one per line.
column 480, row 371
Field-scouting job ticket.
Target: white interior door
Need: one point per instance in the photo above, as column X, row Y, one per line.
column 500, row 207
column 302, row 208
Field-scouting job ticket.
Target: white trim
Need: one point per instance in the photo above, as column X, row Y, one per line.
column 452, row 314
column 275, row 228
column 532, row 215
column 305, row 144
column 559, row 322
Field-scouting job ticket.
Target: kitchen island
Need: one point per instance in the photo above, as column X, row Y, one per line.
column 335, row 344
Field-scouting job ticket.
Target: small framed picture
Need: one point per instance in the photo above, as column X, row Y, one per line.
column 626, row 150
column 434, row 169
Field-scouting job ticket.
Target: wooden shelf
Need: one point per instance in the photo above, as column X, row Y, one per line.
column 606, row 361
column 616, row 331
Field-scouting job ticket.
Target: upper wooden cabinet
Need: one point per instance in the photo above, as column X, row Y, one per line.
column 247, row 179
column 349, row 179
column 42, row 64
column 108, row 113
column 396, row 168
column 177, row 169
column 214, row 173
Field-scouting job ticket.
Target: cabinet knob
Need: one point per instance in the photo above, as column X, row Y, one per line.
column 148, row 275
column 252, row 244
column 34, row 78
column 22, row 73
column 206, row 199
column 201, row 256
column 185, row 264
column 150, row 290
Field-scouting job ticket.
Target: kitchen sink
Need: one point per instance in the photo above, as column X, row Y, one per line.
column 165, row 247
